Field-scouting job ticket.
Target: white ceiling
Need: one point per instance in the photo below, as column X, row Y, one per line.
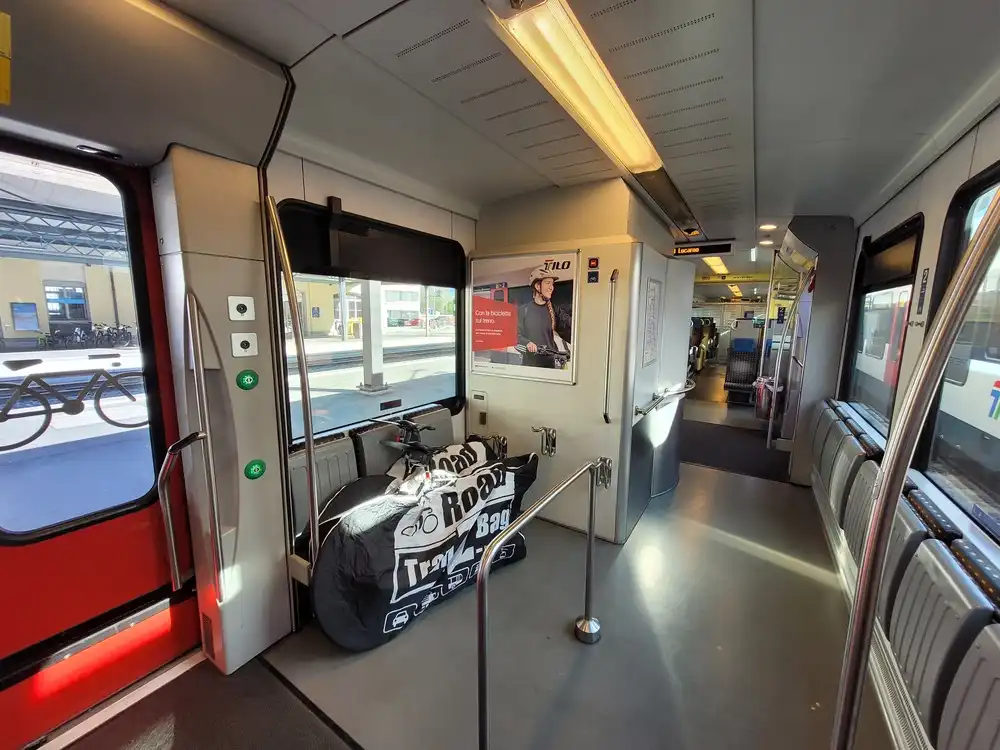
column 760, row 110
column 847, row 91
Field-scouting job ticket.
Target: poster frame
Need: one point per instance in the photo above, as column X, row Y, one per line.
column 535, row 374
column 650, row 283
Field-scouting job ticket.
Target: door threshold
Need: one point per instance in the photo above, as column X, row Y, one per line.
column 119, row 703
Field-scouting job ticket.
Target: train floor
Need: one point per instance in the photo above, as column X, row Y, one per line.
column 723, row 627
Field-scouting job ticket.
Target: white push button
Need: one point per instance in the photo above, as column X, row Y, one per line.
column 241, row 308
column 244, row 344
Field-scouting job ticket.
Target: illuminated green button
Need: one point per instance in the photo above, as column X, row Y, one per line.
column 255, row 469
column 247, row 380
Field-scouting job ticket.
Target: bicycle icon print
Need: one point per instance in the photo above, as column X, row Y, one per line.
column 27, row 408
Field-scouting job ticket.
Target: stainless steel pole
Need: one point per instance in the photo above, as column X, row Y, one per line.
column 767, row 312
column 588, row 628
column 312, row 479
column 482, row 598
column 789, row 323
column 903, row 436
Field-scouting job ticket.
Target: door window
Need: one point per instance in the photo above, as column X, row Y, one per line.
column 75, row 438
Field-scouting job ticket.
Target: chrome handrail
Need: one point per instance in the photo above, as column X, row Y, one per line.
column 689, row 385
column 907, row 426
column 789, row 324
column 587, row 628
column 611, row 338
column 312, row 478
column 208, row 449
column 177, row 579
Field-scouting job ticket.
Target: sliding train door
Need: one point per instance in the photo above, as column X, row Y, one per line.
column 86, row 414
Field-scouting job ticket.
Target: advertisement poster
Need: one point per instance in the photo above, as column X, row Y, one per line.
column 651, row 330
column 523, row 316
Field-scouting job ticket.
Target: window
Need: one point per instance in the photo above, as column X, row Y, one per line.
column 66, row 302
column 412, row 363
column 881, row 313
column 964, row 455
column 75, row 437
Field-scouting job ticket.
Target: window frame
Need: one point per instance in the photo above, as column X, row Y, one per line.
column 949, row 256
column 912, row 227
column 63, row 285
column 137, row 212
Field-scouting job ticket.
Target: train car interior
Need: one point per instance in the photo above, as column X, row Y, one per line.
column 512, row 374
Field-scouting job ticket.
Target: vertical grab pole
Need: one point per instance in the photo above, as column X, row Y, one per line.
column 899, row 449
column 789, row 323
column 587, row 628
column 312, row 480
column 767, row 313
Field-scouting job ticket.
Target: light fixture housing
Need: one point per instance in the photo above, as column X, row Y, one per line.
column 768, row 227
column 766, row 243
column 737, row 292
column 549, row 37
column 717, row 265
column 753, row 254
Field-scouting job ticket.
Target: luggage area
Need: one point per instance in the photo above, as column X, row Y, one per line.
column 723, row 627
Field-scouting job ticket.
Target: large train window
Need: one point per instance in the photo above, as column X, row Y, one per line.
column 381, row 308
column 75, row 441
column 964, row 451
column 879, row 321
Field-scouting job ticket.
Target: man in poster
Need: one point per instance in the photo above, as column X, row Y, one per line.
column 539, row 322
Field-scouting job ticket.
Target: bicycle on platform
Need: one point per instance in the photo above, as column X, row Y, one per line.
column 26, row 408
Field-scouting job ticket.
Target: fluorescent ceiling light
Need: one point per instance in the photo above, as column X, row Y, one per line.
column 716, row 265
column 753, row 254
column 766, row 242
column 550, row 36
column 768, row 227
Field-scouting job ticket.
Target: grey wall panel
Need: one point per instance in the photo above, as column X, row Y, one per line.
column 908, row 532
column 375, row 458
column 858, row 509
column 971, row 718
column 838, row 433
column 336, row 465
column 823, row 424
column 939, row 611
column 849, row 459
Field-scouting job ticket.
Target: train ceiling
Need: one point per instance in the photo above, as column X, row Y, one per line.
column 760, row 110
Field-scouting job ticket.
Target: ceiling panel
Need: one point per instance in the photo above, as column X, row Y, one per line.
column 345, row 100
column 686, row 68
column 446, row 51
column 847, row 92
column 341, row 16
column 273, row 27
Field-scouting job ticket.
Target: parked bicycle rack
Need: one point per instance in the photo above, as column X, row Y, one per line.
column 587, row 628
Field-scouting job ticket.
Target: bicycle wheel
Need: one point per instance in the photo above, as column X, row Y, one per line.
column 121, row 401
column 23, row 417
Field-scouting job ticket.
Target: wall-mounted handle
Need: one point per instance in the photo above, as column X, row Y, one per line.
column 657, row 402
column 611, row 338
column 177, row 579
column 208, row 452
column 548, row 440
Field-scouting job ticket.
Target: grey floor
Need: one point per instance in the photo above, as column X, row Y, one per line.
column 202, row 710
column 723, row 628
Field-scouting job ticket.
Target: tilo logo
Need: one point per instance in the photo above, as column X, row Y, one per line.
column 995, row 406
column 556, row 265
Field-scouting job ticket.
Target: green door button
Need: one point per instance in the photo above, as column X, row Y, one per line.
column 247, row 380
column 255, row 469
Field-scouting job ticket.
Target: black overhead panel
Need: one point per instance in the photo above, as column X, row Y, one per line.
column 322, row 240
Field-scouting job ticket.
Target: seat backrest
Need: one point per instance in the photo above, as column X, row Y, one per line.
column 848, row 460
column 375, row 458
column 836, row 436
column 826, row 419
column 938, row 613
column 858, row 508
column 336, row 465
column 971, row 717
column 908, row 532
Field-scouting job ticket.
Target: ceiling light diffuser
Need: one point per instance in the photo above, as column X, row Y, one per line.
column 768, row 227
column 550, row 36
column 766, row 242
column 716, row 264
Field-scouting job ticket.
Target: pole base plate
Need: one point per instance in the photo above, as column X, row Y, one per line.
column 587, row 630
